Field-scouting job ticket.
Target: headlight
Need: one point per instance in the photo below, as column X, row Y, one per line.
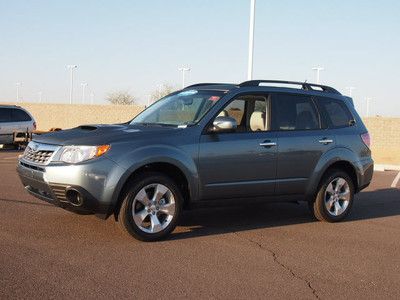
column 77, row 154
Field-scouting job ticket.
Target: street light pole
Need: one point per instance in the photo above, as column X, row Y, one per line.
column 71, row 69
column 84, row 85
column 368, row 103
column 148, row 100
column 18, row 85
column 251, row 40
column 350, row 89
column 183, row 70
column 318, row 69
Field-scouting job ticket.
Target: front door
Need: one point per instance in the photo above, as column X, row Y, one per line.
column 241, row 163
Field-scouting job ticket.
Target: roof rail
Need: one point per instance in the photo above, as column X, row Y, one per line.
column 204, row 84
column 304, row 85
column 9, row 105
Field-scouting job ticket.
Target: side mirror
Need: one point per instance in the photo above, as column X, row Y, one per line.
column 223, row 124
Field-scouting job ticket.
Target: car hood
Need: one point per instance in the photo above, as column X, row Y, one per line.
column 101, row 134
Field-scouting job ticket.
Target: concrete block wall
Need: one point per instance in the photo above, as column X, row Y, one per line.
column 385, row 132
column 385, row 136
column 67, row 116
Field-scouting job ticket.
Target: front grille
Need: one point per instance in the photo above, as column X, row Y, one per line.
column 39, row 157
column 59, row 192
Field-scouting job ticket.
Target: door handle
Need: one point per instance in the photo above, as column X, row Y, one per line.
column 326, row 141
column 267, row 144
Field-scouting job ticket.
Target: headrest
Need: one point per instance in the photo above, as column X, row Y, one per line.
column 257, row 121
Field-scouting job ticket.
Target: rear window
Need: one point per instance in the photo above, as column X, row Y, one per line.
column 18, row 115
column 5, row 115
column 295, row 112
column 336, row 113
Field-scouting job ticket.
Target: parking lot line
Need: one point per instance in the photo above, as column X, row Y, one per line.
column 9, row 158
column 395, row 181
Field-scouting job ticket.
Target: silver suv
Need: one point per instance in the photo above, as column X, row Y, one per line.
column 14, row 119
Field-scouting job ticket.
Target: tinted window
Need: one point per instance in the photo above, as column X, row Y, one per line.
column 295, row 112
column 18, row 115
column 336, row 112
column 250, row 112
column 5, row 114
column 182, row 108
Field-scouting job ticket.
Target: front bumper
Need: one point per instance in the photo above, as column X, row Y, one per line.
column 85, row 188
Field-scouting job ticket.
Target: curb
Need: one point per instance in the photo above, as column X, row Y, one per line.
column 381, row 168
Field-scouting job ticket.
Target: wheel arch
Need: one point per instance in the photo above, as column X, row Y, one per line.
column 175, row 169
column 339, row 158
column 345, row 166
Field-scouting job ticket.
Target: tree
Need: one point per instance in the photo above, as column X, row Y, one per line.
column 121, row 98
column 161, row 92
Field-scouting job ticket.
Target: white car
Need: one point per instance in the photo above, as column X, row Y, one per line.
column 14, row 119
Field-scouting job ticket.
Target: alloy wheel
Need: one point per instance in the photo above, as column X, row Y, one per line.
column 337, row 196
column 153, row 208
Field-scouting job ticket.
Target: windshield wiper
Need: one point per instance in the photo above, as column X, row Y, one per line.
column 188, row 123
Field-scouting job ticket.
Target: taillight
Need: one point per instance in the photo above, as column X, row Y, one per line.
column 366, row 139
column 34, row 125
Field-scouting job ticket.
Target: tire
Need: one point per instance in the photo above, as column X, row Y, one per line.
column 146, row 215
column 335, row 197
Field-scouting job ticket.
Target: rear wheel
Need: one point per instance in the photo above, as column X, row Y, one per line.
column 335, row 197
column 151, row 207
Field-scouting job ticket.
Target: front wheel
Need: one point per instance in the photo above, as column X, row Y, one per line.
column 335, row 197
column 151, row 207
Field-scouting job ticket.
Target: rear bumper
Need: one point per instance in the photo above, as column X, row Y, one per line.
column 365, row 172
column 84, row 189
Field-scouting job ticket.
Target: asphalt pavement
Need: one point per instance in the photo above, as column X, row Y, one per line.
column 245, row 250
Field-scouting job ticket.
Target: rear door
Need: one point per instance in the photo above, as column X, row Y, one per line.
column 241, row 163
column 302, row 140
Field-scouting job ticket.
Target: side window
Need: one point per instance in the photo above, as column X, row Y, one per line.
column 337, row 114
column 295, row 112
column 235, row 109
column 18, row 115
column 250, row 112
column 5, row 115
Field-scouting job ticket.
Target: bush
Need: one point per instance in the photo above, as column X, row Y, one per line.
column 121, row 98
column 161, row 92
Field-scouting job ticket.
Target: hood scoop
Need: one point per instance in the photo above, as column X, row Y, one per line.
column 87, row 127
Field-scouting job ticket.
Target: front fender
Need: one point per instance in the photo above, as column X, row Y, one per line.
column 142, row 156
column 328, row 159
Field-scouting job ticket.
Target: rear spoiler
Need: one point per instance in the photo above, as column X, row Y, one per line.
column 350, row 100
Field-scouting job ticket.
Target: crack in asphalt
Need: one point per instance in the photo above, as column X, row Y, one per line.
column 281, row 264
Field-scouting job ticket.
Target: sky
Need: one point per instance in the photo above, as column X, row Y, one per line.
column 137, row 45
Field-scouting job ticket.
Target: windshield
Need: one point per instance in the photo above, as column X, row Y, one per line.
column 181, row 108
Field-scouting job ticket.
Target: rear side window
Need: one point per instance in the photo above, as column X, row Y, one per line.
column 336, row 113
column 18, row 115
column 5, row 115
column 295, row 112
